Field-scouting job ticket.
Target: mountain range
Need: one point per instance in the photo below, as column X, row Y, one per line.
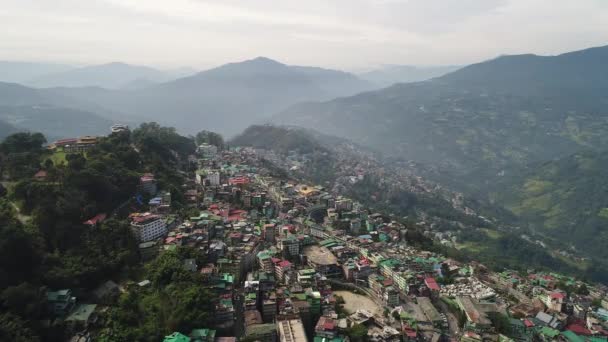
column 483, row 119
column 226, row 99
column 38, row 110
column 23, row 72
column 525, row 133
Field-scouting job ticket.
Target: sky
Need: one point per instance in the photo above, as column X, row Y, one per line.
column 345, row 34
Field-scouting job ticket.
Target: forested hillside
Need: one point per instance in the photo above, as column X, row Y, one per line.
column 564, row 200
column 44, row 243
column 481, row 121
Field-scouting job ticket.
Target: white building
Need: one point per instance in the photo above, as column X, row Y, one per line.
column 214, row 178
column 207, row 151
column 119, row 128
column 148, row 227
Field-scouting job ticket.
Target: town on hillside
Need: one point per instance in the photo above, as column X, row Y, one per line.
column 272, row 257
column 286, row 260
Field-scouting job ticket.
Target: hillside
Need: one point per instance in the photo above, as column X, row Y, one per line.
column 391, row 74
column 479, row 121
column 345, row 168
column 6, row 129
column 55, row 122
column 565, row 200
column 54, row 115
column 279, row 139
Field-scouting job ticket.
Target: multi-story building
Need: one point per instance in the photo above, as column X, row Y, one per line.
column 326, row 328
column 292, row 331
column 281, row 268
column 214, row 178
column 343, row 204
column 224, row 313
column 207, row 151
column 147, row 183
column 148, row 227
column 290, row 246
column 554, row 301
column 269, row 307
column 265, row 261
column 60, row 302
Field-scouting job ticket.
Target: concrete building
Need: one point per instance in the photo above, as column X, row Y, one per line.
column 323, row 261
column 207, row 151
column 147, row 183
column 291, row 331
column 148, row 227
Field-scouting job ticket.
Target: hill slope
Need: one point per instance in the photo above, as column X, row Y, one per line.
column 28, row 109
column 392, row 74
column 484, row 118
column 6, row 129
column 565, row 200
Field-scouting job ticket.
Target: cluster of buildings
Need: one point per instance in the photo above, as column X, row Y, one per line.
column 291, row 261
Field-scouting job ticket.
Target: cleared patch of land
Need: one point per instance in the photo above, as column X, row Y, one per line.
column 353, row 302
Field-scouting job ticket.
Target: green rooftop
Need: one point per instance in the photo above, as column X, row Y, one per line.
column 325, row 339
column 203, row 335
column 546, row 331
column 82, row 312
column 176, row 337
column 572, row 337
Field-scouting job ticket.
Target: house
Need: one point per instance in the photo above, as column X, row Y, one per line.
column 60, row 302
column 83, row 314
column 548, row 320
column 555, row 301
column 95, row 220
column 326, row 327
column 40, row 175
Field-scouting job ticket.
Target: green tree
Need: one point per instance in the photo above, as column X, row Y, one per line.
column 15, row 329
column 357, row 333
column 211, row 138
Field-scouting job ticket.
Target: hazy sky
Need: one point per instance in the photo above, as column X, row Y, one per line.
column 348, row 34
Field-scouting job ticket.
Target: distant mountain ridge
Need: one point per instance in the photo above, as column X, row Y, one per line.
column 226, row 99
column 391, row 74
column 36, row 110
column 111, row 75
column 22, row 72
column 481, row 119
